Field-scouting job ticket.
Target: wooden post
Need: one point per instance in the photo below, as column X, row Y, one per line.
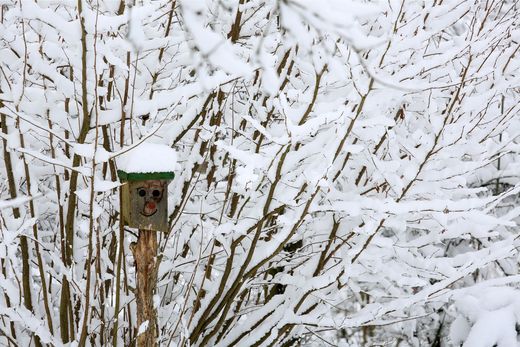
column 145, row 256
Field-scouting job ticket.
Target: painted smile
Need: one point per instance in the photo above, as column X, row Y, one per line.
column 148, row 214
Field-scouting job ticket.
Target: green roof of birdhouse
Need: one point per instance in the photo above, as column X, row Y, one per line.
column 144, row 176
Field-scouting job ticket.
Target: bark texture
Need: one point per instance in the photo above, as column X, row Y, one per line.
column 145, row 255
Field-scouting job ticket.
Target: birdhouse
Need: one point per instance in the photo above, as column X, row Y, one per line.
column 145, row 172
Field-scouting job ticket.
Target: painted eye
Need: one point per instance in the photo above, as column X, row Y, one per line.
column 141, row 192
column 156, row 193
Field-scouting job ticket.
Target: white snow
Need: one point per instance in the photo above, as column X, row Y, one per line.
column 488, row 318
column 148, row 157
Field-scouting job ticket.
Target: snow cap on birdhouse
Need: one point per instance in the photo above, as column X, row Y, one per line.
column 146, row 171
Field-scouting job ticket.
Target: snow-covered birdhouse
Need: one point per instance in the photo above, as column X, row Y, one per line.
column 145, row 172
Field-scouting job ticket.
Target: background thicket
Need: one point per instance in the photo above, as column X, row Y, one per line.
column 347, row 170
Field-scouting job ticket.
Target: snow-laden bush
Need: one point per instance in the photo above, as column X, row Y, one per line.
column 344, row 166
column 487, row 317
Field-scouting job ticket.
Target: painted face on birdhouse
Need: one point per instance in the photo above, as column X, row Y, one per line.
column 151, row 193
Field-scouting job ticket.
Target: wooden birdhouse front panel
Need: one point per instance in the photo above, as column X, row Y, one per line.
column 145, row 204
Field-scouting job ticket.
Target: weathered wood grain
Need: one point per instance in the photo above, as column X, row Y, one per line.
column 145, row 255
